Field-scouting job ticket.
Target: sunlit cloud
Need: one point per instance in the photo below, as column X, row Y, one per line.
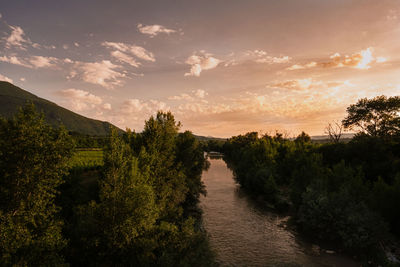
column 15, row 60
column 103, row 73
column 284, row 105
column 122, row 57
column 182, row 96
column 133, row 50
column 32, row 62
column 133, row 112
column 261, row 56
column 16, row 38
column 154, row 30
column 195, row 95
column 200, row 62
column 43, row 62
column 200, row 93
column 80, row 100
column 309, row 83
column 392, row 15
column 107, row 106
column 295, row 84
column 361, row 60
column 5, row 78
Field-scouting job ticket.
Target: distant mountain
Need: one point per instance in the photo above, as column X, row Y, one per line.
column 323, row 137
column 209, row 138
column 13, row 97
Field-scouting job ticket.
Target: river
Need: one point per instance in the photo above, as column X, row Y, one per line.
column 243, row 234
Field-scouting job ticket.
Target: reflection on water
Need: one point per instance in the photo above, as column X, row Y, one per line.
column 243, row 234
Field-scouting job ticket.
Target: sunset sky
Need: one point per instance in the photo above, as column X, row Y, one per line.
column 222, row 67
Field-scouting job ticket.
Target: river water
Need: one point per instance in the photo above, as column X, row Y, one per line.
column 243, row 234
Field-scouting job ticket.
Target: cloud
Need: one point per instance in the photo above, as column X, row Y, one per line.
column 125, row 58
column 154, row 30
column 296, row 67
column 360, row 60
column 16, row 38
column 309, row 83
column 103, row 73
column 80, row 100
column 132, row 50
column 293, row 105
column 193, row 96
column 15, row 60
column 295, row 84
column 200, row 93
column 260, row 56
column 43, row 62
column 107, row 106
column 142, row 108
column 392, row 15
column 32, row 62
column 182, row 96
column 201, row 62
column 5, row 78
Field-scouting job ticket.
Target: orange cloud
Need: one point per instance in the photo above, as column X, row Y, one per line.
column 201, row 62
column 360, row 60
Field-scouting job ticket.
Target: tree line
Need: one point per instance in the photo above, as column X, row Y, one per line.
column 343, row 194
column 138, row 209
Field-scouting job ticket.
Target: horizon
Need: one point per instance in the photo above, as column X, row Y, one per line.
column 222, row 68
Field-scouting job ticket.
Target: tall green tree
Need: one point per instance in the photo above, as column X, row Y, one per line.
column 190, row 156
column 159, row 141
column 115, row 227
column 33, row 160
column 378, row 117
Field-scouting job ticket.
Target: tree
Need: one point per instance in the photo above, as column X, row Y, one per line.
column 378, row 117
column 33, row 160
column 303, row 138
column 190, row 156
column 159, row 140
column 115, row 226
column 334, row 130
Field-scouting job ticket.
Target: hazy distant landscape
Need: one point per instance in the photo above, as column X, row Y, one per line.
column 210, row 133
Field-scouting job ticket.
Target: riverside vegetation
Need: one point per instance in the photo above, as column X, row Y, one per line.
column 345, row 195
column 131, row 199
column 132, row 204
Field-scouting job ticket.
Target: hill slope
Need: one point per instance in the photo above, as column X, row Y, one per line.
column 13, row 97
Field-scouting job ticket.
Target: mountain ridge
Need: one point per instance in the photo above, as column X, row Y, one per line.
column 13, row 97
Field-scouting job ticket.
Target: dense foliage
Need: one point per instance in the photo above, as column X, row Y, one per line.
column 144, row 211
column 33, row 160
column 137, row 206
column 346, row 194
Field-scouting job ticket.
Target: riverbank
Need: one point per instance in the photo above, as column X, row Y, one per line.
column 242, row 233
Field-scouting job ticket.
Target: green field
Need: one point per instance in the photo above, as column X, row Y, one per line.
column 87, row 158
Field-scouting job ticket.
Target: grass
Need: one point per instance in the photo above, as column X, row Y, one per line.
column 87, row 158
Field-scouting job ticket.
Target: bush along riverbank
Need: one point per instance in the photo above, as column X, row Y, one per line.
column 342, row 194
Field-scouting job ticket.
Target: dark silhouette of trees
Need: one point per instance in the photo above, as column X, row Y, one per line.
column 378, row 117
column 343, row 193
column 334, row 131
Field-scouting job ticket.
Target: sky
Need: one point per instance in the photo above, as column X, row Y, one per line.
column 222, row 67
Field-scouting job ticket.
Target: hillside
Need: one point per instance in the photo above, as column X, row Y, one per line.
column 13, row 97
